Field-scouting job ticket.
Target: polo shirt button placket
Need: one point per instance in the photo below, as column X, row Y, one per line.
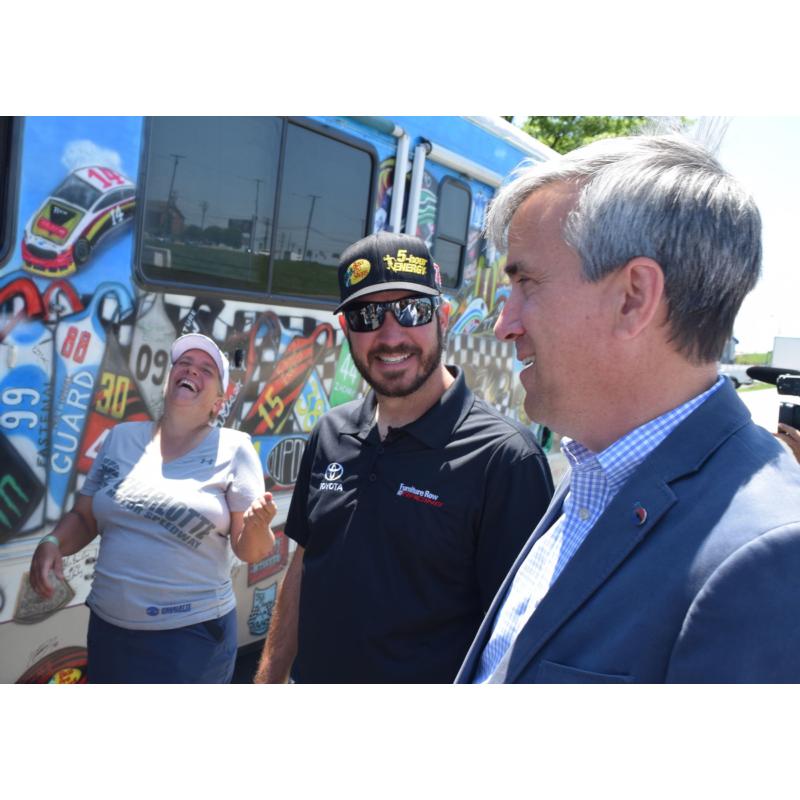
column 379, row 451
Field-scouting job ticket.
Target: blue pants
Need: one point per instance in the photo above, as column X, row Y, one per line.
column 201, row 653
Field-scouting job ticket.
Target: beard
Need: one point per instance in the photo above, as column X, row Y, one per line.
column 401, row 386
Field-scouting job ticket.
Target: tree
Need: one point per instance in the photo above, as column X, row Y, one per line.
column 230, row 237
column 568, row 133
column 192, row 233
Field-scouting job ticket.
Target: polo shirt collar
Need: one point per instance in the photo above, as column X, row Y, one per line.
column 435, row 427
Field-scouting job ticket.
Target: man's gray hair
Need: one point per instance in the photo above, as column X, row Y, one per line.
column 665, row 198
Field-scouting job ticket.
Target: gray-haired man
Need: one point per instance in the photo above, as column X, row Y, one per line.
column 671, row 551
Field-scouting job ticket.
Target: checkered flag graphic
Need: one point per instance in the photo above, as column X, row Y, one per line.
column 326, row 366
column 488, row 368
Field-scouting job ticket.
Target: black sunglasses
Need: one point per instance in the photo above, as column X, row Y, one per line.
column 410, row 312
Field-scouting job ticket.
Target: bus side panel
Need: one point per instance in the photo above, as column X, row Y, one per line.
column 66, row 294
column 82, row 348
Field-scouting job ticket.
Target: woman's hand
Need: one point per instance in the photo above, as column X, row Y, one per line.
column 252, row 538
column 74, row 531
column 261, row 512
column 46, row 560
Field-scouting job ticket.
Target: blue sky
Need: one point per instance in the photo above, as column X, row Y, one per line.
column 763, row 153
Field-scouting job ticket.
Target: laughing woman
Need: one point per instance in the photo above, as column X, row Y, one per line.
column 167, row 499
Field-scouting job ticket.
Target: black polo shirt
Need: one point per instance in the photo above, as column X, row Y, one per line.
column 408, row 539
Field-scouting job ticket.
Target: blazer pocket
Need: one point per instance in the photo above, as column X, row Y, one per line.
column 550, row 672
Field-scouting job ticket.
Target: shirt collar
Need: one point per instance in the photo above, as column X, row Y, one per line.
column 621, row 458
column 434, row 428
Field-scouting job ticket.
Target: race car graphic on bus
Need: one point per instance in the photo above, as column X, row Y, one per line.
column 89, row 204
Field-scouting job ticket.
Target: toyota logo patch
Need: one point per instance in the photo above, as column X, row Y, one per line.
column 334, row 472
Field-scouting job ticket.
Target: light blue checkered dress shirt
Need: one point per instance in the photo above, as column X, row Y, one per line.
column 594, row 480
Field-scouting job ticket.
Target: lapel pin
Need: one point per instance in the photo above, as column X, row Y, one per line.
column 640, row 512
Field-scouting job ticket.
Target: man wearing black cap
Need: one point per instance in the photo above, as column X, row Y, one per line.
column 411, row 503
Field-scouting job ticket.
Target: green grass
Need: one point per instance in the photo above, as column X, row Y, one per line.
column 219, row 261
column 303, row 278
column 755, row 387
column 754, row 358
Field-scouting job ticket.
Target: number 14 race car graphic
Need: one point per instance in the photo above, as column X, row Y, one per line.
column 89, row 204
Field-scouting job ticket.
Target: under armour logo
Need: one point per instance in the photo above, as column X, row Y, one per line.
column 206, row 460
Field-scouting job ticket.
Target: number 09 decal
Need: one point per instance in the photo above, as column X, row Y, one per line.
column 146, row 360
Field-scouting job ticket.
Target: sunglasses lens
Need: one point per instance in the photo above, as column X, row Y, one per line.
column 366, row 317
column 409, row 312
column 414, row 311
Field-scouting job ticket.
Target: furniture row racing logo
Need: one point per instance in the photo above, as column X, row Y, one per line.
column 333, row 474
column 420, row 495
column 89, row 204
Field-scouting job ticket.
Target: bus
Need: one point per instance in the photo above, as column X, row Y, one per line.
column 119, row 234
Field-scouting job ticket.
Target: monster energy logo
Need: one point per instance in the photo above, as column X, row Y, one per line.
column 8, row 484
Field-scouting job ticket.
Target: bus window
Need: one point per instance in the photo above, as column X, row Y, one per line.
column 324, row 206
column 224, row 211
column 450, row 242
column 209, row 194
column 9, row 171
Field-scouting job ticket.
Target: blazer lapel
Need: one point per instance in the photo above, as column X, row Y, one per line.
column 467, row 671
column 620, row 528
column 616, row 534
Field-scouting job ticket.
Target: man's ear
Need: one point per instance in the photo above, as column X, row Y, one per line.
column 342, row 323
column 640, row 296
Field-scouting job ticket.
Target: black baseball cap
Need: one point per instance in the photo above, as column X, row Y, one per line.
column 385, row 261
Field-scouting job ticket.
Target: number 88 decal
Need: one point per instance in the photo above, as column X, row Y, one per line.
column 68, row 349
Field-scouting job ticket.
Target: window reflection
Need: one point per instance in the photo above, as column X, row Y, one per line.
column 323, row 209
column 450, row 243
column 212, row 194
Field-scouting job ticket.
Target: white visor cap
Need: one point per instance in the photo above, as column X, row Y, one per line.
column 196, row 341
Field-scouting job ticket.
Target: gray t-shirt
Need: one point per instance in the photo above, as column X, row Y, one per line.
column 164, row 558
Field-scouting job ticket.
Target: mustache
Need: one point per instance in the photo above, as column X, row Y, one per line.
column 400, row 350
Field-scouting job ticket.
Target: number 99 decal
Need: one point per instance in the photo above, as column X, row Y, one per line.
column 12, row 419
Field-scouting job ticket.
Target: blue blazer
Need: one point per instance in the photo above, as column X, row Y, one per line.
column 705, row 589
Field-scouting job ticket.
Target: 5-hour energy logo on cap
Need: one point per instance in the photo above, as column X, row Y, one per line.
column 403, row 262
column 333, row 475
column 356, row 272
